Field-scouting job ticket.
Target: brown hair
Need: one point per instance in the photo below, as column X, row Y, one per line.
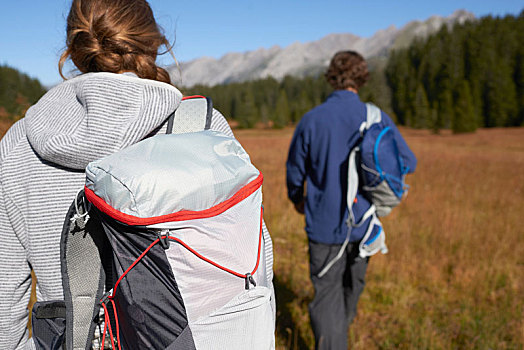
column 114, row 36
column 347, row 69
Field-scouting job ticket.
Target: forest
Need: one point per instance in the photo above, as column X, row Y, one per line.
column 469, row 77
column 462, row 78
column 18, row 92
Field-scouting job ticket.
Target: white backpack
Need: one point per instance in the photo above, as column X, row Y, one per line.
column 169, row 235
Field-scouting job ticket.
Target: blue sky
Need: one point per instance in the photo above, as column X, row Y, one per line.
column 33, row 31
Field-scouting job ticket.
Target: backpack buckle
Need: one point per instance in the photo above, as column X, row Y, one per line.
column 106, row 297
column 249, row 279
column 163, row 239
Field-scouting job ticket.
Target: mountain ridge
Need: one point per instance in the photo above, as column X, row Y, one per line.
column 302, row 59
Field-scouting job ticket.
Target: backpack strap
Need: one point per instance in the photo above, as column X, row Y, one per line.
column 193, row 114
column 83, row 274
column 353, row 185
column 373, row 116
column 373, row 240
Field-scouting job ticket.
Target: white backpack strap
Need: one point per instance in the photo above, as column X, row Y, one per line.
column 352, row 191
column 332, row 262
column 352, row 185
column 194, row 114
column 374, row 115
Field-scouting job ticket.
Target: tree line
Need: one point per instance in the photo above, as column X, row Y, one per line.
column 461, row 78
column 268, row 102
column 468, row 77
column 18, row 92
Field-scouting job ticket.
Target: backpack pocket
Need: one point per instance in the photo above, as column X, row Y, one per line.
column 48, row 325
column 382, row 169
column 383, row 197
column 374, row 239
column 245, row 322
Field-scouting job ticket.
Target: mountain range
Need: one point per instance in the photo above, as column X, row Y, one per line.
column 303, row 59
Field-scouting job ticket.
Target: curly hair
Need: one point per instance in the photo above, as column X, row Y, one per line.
column 114, row 36
column 347, row 69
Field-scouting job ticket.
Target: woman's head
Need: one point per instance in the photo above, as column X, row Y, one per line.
column 347, row 69
column 114, row 36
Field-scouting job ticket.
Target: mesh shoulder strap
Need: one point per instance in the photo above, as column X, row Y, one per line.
column 373, row 115
column 193, row 114
column 83, row 277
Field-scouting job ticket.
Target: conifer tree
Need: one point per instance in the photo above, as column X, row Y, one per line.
column 17, row 92
column 445, row 109
column 247, row 115
column 304, row 104
column 421, row 108
column 464, row 117
column 281, row 114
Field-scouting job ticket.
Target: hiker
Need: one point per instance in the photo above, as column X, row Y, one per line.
column 318, row 156
column 119, row 98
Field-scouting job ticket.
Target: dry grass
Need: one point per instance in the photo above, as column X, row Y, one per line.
column 454, row 277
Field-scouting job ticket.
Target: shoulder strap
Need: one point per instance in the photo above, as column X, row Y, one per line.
column 193, row 114
column 373, row 116
column 83, row 274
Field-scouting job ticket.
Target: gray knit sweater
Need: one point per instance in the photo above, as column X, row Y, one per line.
column 42, row 162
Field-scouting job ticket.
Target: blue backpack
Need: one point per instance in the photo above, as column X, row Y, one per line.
column 378, row 167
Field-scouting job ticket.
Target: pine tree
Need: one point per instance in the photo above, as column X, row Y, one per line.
column 304, row 105
column 445, row 109
column 421, row 107
column 281, row 115
column 500, row 97
column 464, row 117
column 247, row 112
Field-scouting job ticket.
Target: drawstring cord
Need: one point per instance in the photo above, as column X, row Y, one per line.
column 107, row 323
column 77, row 214
column 110, row 295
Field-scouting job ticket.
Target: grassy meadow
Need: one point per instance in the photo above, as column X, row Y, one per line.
column 454, row 276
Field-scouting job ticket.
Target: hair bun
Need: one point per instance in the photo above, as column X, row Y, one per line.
column 114, row 36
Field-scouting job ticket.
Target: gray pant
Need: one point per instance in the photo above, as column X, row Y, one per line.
column 336, row 293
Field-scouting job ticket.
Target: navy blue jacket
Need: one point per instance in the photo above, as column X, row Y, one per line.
column 318, row 156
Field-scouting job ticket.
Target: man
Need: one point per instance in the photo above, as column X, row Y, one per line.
column 318, row 156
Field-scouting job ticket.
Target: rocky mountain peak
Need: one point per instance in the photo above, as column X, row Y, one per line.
column 302, row 59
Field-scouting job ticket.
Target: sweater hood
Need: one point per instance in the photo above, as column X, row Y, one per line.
column 96, row 114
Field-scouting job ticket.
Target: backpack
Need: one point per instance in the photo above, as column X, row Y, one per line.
column 376, row 166
column 168, row 235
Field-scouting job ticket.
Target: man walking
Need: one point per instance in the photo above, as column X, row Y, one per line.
column 318, row 156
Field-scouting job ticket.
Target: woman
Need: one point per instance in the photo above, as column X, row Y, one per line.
column 121, row 97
